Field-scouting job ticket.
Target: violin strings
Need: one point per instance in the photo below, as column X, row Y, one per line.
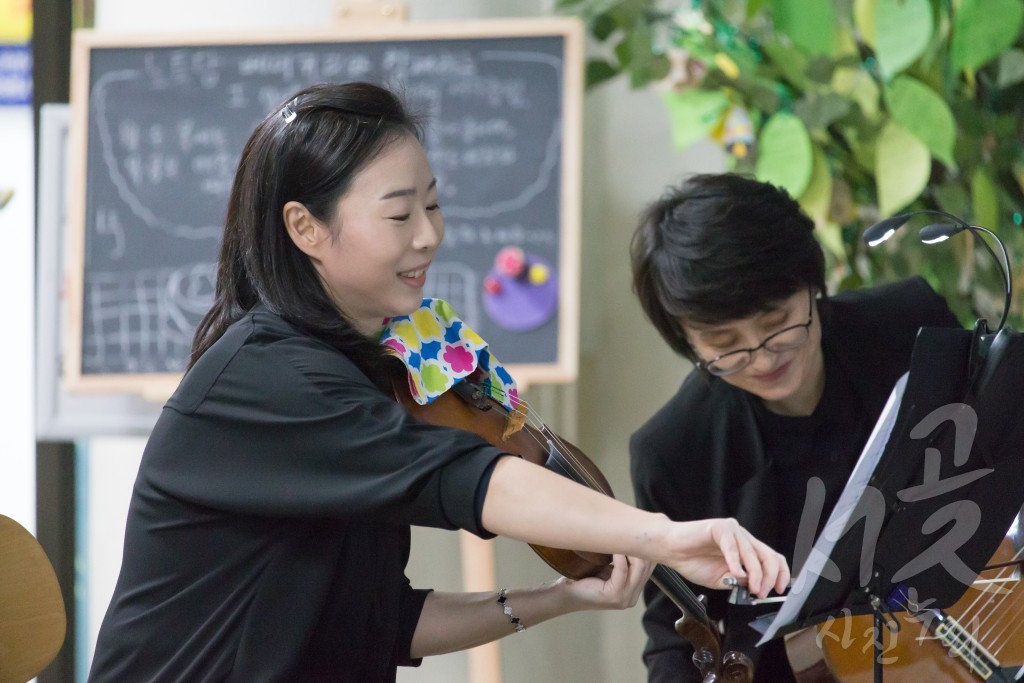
column 522, row 407
column 695, row 606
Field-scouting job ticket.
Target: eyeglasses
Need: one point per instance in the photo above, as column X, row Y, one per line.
column 786, row 339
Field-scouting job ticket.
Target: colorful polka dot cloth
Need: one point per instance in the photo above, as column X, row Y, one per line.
column 440, row 350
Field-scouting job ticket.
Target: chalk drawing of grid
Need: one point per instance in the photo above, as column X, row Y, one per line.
column 142, row 321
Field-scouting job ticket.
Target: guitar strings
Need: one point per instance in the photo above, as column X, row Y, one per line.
column 996, row 607
column 990, row 603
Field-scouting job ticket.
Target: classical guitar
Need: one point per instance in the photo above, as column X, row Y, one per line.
column 979, row 638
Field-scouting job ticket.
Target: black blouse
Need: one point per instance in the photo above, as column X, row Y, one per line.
column 268, row 530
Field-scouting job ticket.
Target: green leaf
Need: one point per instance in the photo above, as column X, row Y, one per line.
column 864, row 19
column 952, row 198
column 599, row 71
column 586, row 9
column 820, row 69
column 811, row 25
column 857, row 85
column 761, row 94
column 818, row 110
column 817, row 196
column 753, row 7
column 903, row 29
column 816, row 202
column 643, row 66
column 924, row 113
column 731, row 12
column 603, row 26
column 624, row 52
column 627, row 13
column 790, row 63
column 785, row 157
column 985, row 200
column 902, row 167
column 1011, row 68
column 830, row 236
column 694, row 113
column 982, row 29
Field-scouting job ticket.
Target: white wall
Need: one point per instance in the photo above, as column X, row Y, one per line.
column 17, row 273
column 626, row 371
column 105, row 474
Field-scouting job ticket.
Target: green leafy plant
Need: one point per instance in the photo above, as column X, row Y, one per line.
column 861, row 109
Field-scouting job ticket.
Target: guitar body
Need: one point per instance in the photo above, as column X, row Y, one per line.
column 32, row 616
column 842, row 650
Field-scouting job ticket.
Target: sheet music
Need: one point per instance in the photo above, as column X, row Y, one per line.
column 805, row 581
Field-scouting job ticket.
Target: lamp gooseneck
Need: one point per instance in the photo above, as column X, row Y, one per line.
column 940, row 232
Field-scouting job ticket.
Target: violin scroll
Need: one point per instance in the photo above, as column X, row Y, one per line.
column 714, row 667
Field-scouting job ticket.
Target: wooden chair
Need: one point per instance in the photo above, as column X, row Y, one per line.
column 32, row 616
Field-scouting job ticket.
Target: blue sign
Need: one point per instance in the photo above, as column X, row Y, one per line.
column 15, row 74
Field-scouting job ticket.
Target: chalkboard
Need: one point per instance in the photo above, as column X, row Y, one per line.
column 159, row 124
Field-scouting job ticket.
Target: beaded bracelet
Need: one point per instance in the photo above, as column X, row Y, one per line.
column 512, row 619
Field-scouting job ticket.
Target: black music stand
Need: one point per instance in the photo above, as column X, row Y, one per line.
column 940, row 497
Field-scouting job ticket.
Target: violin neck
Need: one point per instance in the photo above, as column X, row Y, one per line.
column 674, row 586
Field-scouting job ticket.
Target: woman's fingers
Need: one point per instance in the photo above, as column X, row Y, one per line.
column 748, row 557
column 725, row 532
column 631, row 574
column 639, row 572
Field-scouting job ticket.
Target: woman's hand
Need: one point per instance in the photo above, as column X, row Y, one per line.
column 456, row 621
column 711, row 549
column 619, row 588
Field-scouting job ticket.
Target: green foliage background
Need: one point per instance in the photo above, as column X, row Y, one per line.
column 861, row 109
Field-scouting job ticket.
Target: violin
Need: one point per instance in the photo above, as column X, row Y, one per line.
column 472, row 407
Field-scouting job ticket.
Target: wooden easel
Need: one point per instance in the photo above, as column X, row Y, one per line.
column 477, row 554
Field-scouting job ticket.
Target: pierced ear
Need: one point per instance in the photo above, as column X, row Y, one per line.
column 307, row 232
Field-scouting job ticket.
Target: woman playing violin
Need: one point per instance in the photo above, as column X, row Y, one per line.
column 787, row 387
column 269, row 525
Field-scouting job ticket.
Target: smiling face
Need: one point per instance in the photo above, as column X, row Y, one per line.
column 790, row 382
column 373, row 257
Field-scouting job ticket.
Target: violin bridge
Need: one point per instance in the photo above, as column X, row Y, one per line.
column 515, row 420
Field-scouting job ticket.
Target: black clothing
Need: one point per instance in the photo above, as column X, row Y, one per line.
column 715, row 451
column 269, row 525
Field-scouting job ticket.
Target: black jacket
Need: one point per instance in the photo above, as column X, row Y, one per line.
column 702, row 455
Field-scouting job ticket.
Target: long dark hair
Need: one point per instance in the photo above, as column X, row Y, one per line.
column 721, row 247
column 308, row 150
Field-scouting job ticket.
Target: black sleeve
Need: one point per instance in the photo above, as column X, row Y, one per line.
column 409, row 611
column 291, row 429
